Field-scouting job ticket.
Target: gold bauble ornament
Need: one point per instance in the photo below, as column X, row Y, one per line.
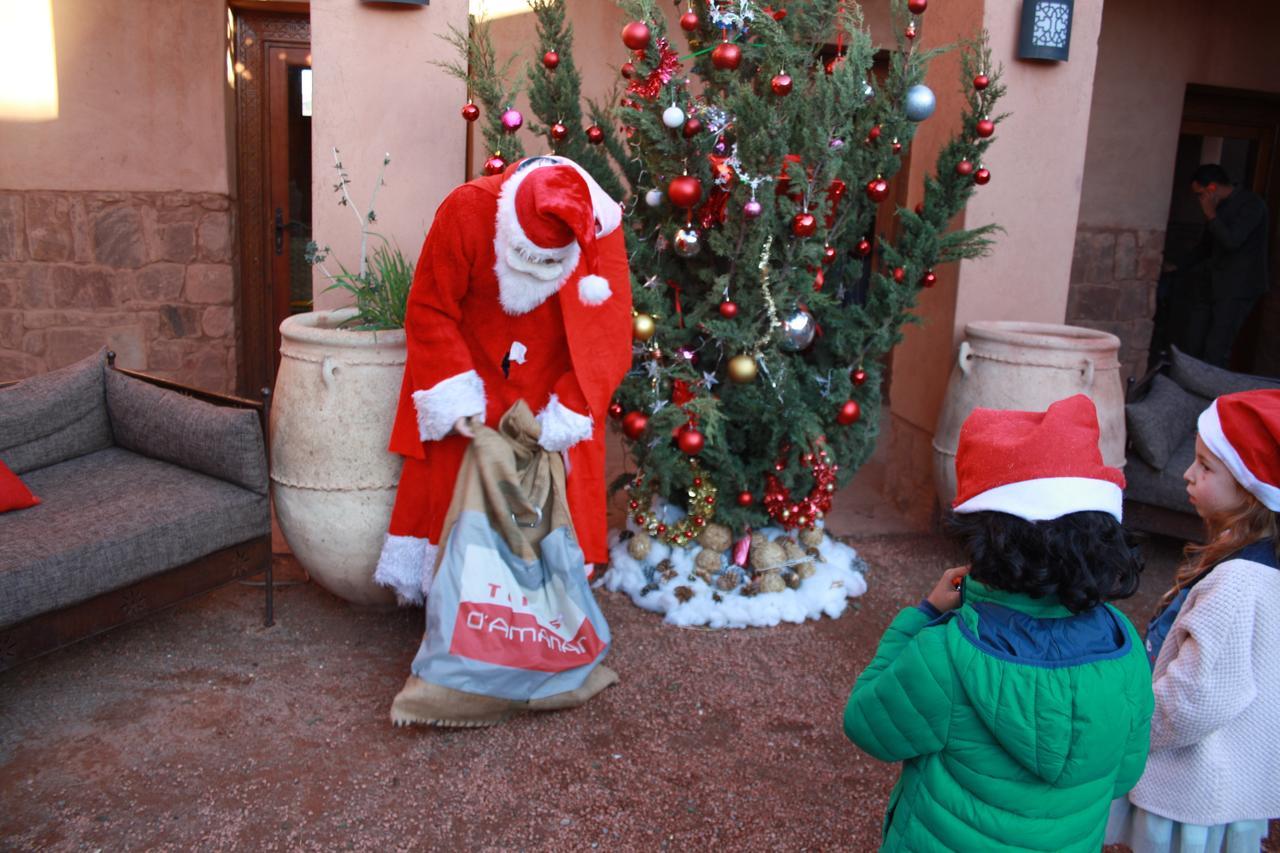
column 742, row 369
column 643, row 327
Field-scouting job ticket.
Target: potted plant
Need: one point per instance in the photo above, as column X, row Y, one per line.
column 333, row 480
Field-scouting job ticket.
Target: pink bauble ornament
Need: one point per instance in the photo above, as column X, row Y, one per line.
column 752, row 209
column 512, row 120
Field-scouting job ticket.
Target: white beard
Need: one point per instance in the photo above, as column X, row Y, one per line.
column 527, row 277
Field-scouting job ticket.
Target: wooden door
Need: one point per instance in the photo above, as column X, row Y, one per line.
column 273, row 155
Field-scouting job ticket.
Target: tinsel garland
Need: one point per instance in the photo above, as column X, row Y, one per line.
column 807, row 511
column 701, row 508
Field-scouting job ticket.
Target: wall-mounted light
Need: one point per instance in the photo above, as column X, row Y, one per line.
column 28, row 65
column 1046, row 30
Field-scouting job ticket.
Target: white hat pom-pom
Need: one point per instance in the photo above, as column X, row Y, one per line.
column 594, row 289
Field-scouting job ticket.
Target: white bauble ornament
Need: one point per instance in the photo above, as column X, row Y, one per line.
column 653, row 198
column 673, row 117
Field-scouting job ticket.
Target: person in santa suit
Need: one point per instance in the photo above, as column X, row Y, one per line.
column 522, row 292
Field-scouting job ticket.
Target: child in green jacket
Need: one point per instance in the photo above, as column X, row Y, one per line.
column 1018, row 701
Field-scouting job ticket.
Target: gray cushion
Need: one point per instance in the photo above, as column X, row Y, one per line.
column 1162, row 420
column 110, row 519
column 54, row 416
column 1208, row 381
column 1162, row 487
column 221, row 441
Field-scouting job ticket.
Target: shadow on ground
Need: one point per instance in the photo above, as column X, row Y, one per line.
column 199, row 728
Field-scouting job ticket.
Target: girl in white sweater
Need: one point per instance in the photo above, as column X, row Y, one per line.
column 1213, row 776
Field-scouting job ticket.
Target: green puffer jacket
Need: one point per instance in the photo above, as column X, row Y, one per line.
column 1017, row 723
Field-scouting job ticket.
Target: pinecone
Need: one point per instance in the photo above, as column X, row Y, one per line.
column 638, row 546
column 716, row 597
column 727, row 581
column 792, row 580
column 666, row 570
column 683, row 594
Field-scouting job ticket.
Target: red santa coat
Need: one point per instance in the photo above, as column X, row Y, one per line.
column 476, row 345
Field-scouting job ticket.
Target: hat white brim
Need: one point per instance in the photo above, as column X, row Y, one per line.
column 1210, row 426
column 1049, row 498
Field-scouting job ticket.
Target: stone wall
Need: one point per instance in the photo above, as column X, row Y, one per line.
column 147, row 274
column 1113, row 288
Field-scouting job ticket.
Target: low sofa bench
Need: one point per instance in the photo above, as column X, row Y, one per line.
column 150, row 493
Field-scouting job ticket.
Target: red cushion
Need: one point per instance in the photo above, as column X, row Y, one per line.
column 14, row 495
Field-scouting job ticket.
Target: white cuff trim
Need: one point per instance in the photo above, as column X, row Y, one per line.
column 1210, row 428
column 406, row 566
column 1048, row 498
column 562, row 427
column 439, row 407
column 593, row 289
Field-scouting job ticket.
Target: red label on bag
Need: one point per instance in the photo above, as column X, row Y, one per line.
column 498, row 623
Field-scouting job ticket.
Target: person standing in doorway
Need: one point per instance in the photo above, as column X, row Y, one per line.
column 1231, row 261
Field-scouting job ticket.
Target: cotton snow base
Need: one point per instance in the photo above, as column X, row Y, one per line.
column 688, row 595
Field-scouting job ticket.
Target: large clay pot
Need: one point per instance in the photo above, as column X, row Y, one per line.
column 332, row 477
column 1027, row 366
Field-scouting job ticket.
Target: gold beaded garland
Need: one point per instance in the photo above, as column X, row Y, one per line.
column 702, row 507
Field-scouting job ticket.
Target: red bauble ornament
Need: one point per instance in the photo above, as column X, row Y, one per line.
column 897, row 147
column 627, row 70
column 550, row 60
column 981, row 82
column 781, row 84
column 728, row 309
column 691, row 441
column 595, row 135
column 874, row 133
column 929, row 279
column 910, row 31
column 917, row 7
column 964, row 167
column 634, row 424
column 685, row 191
column 899, row 274
column 470, row 112
column 864, row 247
column 849, row 412
column 919, row 208
column 692, row 127
column 635, row 35
column 981, row 176
column 858, row 377
column 559, row 131
column 689, row 21
column 615, row 410
column 727, row 56
column 828, row 254
column 494, row 165
column 986, row 127
column 745, row 498
column 877, row 189
column 804, row 224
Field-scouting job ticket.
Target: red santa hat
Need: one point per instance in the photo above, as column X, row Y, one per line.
column 1036, row 465
column 1243, row 430
column 546, row 225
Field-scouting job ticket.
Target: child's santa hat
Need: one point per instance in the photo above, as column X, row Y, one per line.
column 1036, row 465
column 546, row 214
column 1243, row 430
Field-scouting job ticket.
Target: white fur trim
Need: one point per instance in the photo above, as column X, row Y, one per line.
column 440, row 406
column 406, row 566
column 1210, row 426
column 605, row 207
column 562, row 427
column 528, row 274
column 594, row 289
column 1048, row 498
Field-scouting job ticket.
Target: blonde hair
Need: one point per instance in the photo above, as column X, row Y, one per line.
column 1225, row 535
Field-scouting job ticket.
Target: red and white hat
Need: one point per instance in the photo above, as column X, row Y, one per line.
column 1036, row 465
column 1243, row 430
column 547, row 223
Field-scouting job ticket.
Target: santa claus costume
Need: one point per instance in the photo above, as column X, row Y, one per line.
column 522, row 292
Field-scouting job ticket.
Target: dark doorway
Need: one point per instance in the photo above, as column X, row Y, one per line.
column 273, row 154
column 1240, row 131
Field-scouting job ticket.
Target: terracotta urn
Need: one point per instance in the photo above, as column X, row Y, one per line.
column 333, row 480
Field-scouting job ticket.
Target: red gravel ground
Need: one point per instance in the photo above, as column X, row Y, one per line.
column 198, row 728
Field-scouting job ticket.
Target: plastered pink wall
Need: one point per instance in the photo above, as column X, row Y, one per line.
column 1037, row 166
column 142, row 101
column 1150, row 50
column 376, row 91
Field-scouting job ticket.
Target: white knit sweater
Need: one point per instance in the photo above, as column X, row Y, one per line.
column 1215, row 735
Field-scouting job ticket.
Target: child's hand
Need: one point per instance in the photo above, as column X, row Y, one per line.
column 946, row 595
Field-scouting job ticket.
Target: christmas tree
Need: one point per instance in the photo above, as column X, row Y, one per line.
column 757, row 159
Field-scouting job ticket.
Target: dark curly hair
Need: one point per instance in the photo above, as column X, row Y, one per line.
column 1084, row 558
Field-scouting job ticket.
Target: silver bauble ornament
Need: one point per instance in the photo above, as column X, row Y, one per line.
column 654, row 198
column 673, row 117
column 687, row 242
column 868, row 92
column 920, row 102
column 798, row 330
